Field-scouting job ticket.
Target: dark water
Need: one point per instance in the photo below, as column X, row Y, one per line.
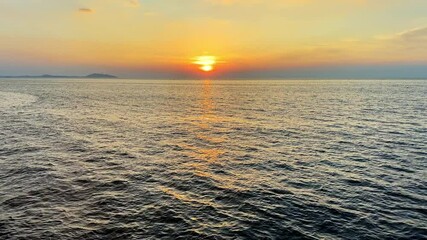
column 130, row 159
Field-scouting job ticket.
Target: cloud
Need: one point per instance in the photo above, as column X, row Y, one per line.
column 418, row 34
column 409, row 45
column 414, row 35
column 85, row 10
column 409, row 42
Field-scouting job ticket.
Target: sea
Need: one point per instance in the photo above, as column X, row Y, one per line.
column 213, row 159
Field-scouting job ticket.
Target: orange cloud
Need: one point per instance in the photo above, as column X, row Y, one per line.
column 85, row 10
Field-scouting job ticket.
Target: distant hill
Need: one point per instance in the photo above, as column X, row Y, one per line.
column 93, row 76
column 100, row 75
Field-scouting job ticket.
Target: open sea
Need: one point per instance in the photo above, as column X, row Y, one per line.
column 213, row 159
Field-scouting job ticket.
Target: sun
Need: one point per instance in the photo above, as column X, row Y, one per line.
column 206, row 63
column 206, row 68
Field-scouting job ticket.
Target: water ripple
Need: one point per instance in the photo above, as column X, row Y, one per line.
column 131, row 159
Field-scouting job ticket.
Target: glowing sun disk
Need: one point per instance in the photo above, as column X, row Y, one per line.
column 207, row 68
column 206, row 63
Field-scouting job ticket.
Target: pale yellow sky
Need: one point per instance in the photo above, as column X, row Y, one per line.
column 245, row 35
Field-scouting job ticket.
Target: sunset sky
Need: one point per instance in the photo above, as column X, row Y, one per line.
column 248, row 38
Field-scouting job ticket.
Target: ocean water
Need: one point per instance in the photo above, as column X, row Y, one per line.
column 139, row 159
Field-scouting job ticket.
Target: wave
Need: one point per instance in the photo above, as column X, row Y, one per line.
column 11, row 99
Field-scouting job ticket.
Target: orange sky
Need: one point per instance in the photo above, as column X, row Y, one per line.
column 132, row 38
